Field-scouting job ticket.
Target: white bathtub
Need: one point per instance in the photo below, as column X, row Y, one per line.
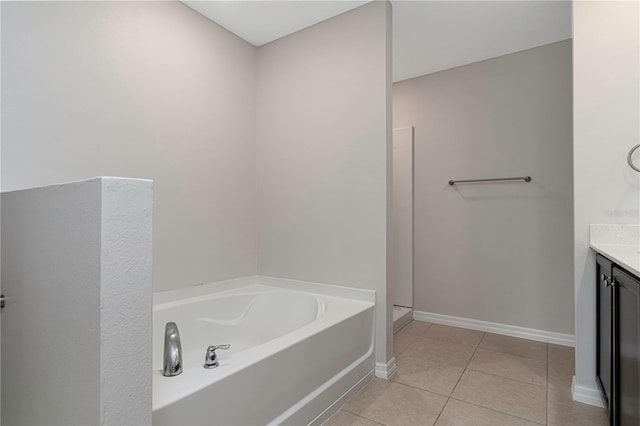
column 296, row 349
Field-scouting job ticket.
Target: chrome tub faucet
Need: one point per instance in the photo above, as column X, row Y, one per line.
column 172, row 351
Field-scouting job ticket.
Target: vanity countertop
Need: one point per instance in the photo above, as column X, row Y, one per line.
column 619, row 243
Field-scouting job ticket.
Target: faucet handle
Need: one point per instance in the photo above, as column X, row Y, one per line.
column 211, row 358
column 227, row 346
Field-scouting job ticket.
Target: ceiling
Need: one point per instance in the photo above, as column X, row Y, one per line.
column 428, row 36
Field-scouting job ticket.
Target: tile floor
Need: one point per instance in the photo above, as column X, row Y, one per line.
column 452, row 376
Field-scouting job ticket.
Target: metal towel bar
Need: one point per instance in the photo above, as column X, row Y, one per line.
column 523, row 178
column 633, row 166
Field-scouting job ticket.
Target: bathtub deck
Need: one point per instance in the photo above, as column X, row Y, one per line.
column 300, row 321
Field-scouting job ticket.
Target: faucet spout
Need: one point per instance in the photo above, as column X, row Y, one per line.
column 172, row 350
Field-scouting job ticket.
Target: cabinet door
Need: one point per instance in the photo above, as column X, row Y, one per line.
column 628, row 348
column 604, row 321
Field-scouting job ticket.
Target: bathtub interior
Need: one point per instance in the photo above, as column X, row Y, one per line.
column 306, row 344
column 244, row 320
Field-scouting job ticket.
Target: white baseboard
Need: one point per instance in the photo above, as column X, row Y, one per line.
column 386, row 371
column 586, row 394
column 402, row 321
column 337, row 405
column 494, row 327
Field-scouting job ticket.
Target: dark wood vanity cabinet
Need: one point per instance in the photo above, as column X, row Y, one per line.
column 604, row 337
column 618, row 342
column 627, row 350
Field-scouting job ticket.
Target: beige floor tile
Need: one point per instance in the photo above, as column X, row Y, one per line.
column 454, row 334
column 416, row 327
column 460, row 413
column 514, row 346
column 408, row 335
column 561, row 354
column 559, row 381
column 441, row 351
column 401, row 341
column 510, row 366
column 571, row 413
column 343, row 418
column 425, row 374
column 561, row 409
column 391, row 403
column 513, row 397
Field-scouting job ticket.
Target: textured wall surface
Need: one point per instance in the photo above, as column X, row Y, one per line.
column 52, row 317
column 76, row 263
column 126, row 301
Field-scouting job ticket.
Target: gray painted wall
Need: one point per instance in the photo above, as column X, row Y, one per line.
column 494, row 252
column 154, row 90
column 323, row 146
column 140, row 89
column 606, row 58
column 36, row 228
column 76, row 264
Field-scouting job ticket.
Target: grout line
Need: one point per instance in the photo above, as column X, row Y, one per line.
column 483, row 336
column 414, row 340
column 405, row 349
column 441, row 410
column 471, row 369
column 561, row 363
column 468, row 362
column 515, row 355
column 508, row 378
column 427, row 328
column 466, row 368
column 546, row 406
column 493, row 409
column 454, row 342
column 420, row 389
column 419, row 334
column 512, row 353
column 358, row 415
